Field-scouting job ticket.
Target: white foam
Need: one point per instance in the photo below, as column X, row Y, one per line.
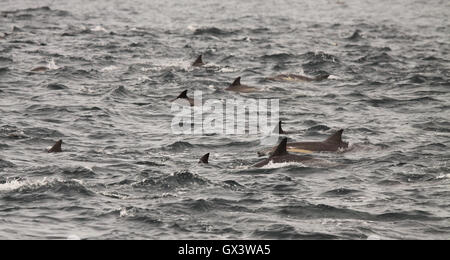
column 227, row 70
column 443, row 176
column 333, row 77
column 123, row 213
column 272, row 165
column 12, row 185
column 192, row 27
column 52, row 65
column 99, row 28
column 109, row 68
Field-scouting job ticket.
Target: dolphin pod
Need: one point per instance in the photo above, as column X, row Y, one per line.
column 279, row 154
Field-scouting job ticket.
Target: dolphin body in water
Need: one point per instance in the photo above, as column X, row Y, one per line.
column 183, row 96
column 56, row 148
column 204, row 159
column 40, row 69
column 294, row 77
column 198, row 62
column 331, row 144
column 236, row 86
column 281, row 155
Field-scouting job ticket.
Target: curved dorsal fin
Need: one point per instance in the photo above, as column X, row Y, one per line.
column 198, row 61
column 336, row 138
column 236, row 82
column 281, row 148
column 56, row 148
column 278, row 129
column 204, row 159
column 183, row 94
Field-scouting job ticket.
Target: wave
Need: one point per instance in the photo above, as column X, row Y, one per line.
column 321, row 211
column 56, row 86
column 285, row 231
column 277, row 56
column 178, row 146
column 26, row 190
column 5, row 164
column 4, row 70
column 28, row 13
column 213, row 31
column 177, row 180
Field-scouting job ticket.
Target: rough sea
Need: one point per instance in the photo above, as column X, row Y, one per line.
column 114, row 66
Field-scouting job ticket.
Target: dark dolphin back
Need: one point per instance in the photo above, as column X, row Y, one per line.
column 336, row 138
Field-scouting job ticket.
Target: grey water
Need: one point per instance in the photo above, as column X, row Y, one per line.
column 113, row 66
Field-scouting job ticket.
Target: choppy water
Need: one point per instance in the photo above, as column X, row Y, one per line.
column 114, row 65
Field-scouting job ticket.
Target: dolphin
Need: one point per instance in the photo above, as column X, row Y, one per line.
column 281, row 155
column 236, row 86
column 184, row 96
column 198, row 62
column 331, row 144
column 294, row 77
column 204, row 159
column 56, row 148
column 40, row 69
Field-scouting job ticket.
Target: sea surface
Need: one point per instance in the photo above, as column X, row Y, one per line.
column 114, row 66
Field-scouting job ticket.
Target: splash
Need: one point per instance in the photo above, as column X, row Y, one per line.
column 52, row 65
column 272, row 165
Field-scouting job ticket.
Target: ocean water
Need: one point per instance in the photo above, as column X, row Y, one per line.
column 114, row 66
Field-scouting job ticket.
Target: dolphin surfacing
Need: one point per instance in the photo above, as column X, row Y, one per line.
column 281, row 155
column 40, row 69
column 183, row 96
column 56, row 148
column 236, row 86
column 294, row 77
column 332, row 144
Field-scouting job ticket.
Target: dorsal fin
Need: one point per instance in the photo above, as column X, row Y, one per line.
column 336, row 138
column 236, row 82
column 278, row 129
column 281, row 148
column 204, row 159
column 198, row 61
column 183, row 94
column 56, row 148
